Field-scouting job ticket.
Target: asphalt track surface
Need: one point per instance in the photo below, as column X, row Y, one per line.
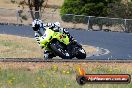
column 119, row 44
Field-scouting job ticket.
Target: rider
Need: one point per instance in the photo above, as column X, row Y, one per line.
column 39, row 27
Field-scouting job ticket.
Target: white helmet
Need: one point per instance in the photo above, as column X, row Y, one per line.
column 57, row 24
column 37, row 22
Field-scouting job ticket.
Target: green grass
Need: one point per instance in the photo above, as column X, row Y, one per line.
column 22, row 78
column 54, row 76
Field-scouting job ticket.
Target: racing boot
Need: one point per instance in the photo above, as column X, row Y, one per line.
column 48, row 55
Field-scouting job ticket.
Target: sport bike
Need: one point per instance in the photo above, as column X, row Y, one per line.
column 59, row 44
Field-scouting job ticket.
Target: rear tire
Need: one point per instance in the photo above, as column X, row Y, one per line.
column 57, row 48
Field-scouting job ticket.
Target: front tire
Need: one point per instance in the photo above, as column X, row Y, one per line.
column 81, row 54
column 58, row 49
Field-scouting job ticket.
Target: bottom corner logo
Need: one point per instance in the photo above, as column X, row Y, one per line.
column 103, row 78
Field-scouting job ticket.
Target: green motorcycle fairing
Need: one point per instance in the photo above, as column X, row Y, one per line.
column 49, row 35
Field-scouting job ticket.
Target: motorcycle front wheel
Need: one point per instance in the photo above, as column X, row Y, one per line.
column 81, row 54
column 59, row 51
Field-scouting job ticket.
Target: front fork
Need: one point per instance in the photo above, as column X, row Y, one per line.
column 73, row 49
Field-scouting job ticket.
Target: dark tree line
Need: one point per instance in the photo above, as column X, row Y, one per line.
column 104, row 8
column 97, row 8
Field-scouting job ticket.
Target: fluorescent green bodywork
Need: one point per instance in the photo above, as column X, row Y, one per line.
column 49, row 35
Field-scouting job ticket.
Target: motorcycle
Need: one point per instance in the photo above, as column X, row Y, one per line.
column 59, row 44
